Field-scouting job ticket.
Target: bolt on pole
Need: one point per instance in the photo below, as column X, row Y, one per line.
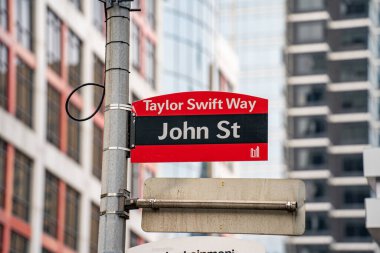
column 116, row 128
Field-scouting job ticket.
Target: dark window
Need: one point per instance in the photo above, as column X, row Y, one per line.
column 309, row 32
column 98, row 15
column 22, row 186
column 99, row 79
column 3, row 76
column 352, row 71
column 349, row 102
column 53, row 37
column 349, row 133
column 309, row 64
column 309, row 127
column 308, row 5
column 316, row 223
column 4, row 14
column 135, row 45
column 310, row 159
column 77, row 4
column 356, row 230
column 309, row 248
column 25, row 92
column 316, row 190
column 74, row 135
column 348, row 39
column 97, row 152
column 3, row 160
column 353, row 165
column 308, row 95
column 24, row 23
column 53, row 116
column 353, row 8
column 19, row 244
column 150, row 69
column 72, row 218
column 354, row 196
column 74, row 59
column 94, row 228
column 51, row 204
column 151, row 12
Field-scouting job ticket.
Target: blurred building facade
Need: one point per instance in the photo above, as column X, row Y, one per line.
column 255, row 30
column 196, row 58
column 50, row 165
column 332, row 93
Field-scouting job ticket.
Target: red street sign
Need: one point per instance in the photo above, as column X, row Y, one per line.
column 201, row 126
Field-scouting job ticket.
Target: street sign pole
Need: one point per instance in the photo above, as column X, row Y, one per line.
column 116, row 129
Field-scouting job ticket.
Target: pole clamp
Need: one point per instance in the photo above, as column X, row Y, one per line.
column 123, row 195
column 127, row 4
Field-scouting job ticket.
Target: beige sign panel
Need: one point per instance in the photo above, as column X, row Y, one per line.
column 199, row 244
column 274, row 222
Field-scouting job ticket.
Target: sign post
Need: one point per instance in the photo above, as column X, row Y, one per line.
column 201, row 126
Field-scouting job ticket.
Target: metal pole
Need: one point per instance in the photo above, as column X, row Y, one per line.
column 116, row 131
column 290, row 206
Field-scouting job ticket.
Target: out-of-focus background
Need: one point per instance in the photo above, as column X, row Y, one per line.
column 317, row 61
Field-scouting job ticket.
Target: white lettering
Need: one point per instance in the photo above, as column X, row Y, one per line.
column 225, row 130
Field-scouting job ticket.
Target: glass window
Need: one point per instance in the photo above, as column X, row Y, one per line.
column 352, row 71
column 350, row 133
column 3, row 76
column 74, row 134
column 74, row 59
column 72, row 218
column 150, row 63
column 308, row 5
column 151, row 12
column 53, row 37
column 77, row 4
column 53, row 116
column 349, row 102
column 22, row 186
column 310, row 159
column 309, row 64
column 51, row 204
column 135, row 45
column 353, row 165
column 99, row 79
column 354, row 196
column 308, row 95
column 353, row 8
column 4, row 14
column 316, row 190
column 97, row 152
column 19, row 244
column 309, row 127
column 309, row 32
column 3, row 159
column 25, row 92
column 94, row 228
column 316, row 223
column 24, row 23
column 98, row 15
column 356, row 229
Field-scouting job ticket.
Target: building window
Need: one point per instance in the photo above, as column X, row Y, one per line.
column 151, row 12
column 53, row 37
column 353, row 165
column 309, row 64
column 350, row 102
column 356, row 230
column 53, row 116
column 4, row 14
column 74, row 135
column 308, row 95
column 308, row 5
column 316, row 190
column 74, row 59
column 354, row 196
column 98, row 15
column 51, row 204
column 22, row 186
column 309, row 127
column 19, row 244
column 94, row 228
column 99, row 79
column 150, row 70
column 350, row 133
column 310, row 159
column 24, row 107
column 135, row 45
column 97, row 152
column 3, row 76
column 3, row 159
column 350, row 71
column 24, row 23
column 349, row 39
column 353, row 8
column 309, row 32
column 77, row 4
column 316, row 223
column 72, row 218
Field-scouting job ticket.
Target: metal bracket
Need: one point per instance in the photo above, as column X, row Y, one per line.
column 123, row 195
column 110, row 4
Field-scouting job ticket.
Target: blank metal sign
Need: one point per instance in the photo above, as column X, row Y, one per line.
column 274, row 222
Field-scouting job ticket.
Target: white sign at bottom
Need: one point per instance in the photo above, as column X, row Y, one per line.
column 200, row 244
